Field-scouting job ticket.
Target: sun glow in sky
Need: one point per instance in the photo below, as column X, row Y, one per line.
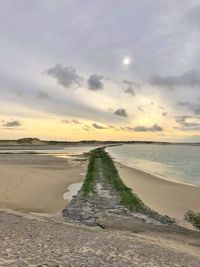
column 126, row 61
column 100, row 70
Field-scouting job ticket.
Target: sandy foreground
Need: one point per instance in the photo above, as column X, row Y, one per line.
column 165, row 197
column 36, row 183
column 51, row 242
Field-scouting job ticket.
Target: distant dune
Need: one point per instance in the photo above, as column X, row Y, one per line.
column 36, row 141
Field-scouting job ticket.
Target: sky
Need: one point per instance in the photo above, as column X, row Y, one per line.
column 100, row 70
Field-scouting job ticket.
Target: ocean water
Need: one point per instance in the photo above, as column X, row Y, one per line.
column 174, row 162
column 64, row 151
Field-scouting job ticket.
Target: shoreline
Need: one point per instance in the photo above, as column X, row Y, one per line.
column 167, row 197
column 37, row 191
column 158, row 176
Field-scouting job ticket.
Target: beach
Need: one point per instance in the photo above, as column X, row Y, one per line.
column 29, row 241
column 36, row 183
column 166, row 197
column 33, row 184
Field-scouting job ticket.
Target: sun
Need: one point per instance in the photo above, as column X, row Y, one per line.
column 126, row 61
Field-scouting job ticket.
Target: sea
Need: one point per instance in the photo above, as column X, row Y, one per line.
column 61, row 151
column 179, row 163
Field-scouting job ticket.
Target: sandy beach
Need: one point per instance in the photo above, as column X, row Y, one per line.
column 165, row 197
column 36, row 183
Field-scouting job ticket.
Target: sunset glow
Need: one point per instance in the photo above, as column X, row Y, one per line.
column 99, row 82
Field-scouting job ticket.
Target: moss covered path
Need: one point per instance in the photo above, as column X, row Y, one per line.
column 103, row 190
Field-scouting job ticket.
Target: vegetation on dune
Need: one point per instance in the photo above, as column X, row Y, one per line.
column 100, row 160
column 194, row 218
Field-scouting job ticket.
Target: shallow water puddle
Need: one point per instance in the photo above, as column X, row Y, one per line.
column 72, row 190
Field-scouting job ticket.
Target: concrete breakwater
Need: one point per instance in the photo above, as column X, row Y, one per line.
column 104, row 195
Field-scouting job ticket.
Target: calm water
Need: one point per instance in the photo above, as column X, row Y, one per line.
column 179, row 163
column 62, row 152
column 72, row 190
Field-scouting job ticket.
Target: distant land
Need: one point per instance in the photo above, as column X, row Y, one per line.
column 36, row 141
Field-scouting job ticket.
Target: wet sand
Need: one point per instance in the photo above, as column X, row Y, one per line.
column 165, row 197
column 36, row 183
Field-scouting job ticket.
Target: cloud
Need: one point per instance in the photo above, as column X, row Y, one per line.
column 189, row 78
column 98, row 126
column 164, row 114
column 130, row 91
column 12, row 124
column 182, row 119
column 75, row 121
column 121, row 112
column 141, row 109
column 86, row 127
column 195, row 108
column 193, row 16
column 171, row 50
column 95, row 82
column 127, row 82
column 130, row 87
column 42, row 94
column 154, row 128
column 65, row 76
column 66, row 121
column 19, row 94
column 112, row 127
column 189, row 121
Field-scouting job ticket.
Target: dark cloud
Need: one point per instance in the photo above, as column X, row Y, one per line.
column 130, row 87
column 154, row 128
column 127, row 82
column 164, row 114
column 75, row 121
column 11, row 124
column 95, row 82
column 141, row 109
column 127, row 128
column 130, row 91
column 86, row 127
column 112, row 127
column 65, row 76
column 98, row 126
column 195, row 108
column 189, row 78
column 189, row 121
column 42, row 94
column 130, row 83
column 121, row 112
column 66, row 121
